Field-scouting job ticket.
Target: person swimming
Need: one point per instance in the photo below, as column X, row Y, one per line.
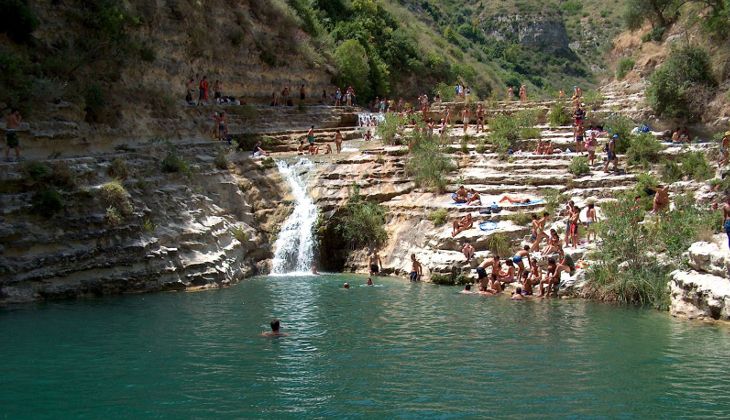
column 275, row 330
column 517, row 295
column 370, row 282
column 346, row 286
column 467, row 290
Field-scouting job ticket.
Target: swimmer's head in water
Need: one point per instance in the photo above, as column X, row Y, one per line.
column 346, row 285
column 518, row 291
column 467, row 287
column 275, row 325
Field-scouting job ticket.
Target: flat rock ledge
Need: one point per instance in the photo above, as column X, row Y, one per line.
column 703, row 292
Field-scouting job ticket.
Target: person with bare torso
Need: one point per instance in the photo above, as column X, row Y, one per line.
column 416, row 269
column 338, row 141
column 12, row 124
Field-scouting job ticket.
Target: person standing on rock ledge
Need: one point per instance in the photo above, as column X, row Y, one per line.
column 375, row 263
column 12, row 123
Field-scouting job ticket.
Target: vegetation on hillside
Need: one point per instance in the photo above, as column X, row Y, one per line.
column 360, row 222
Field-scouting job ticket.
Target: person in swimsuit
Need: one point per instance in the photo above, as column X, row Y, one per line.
column 462, row 196
column 464, row 223
column 468, row 251
column 517, row 295
column 526, row 284
column 611, row 154
column 258, row 151
column 480, row 118
column 467, row 290
column 510, row 93
column 222, row 127
column 474, row 198
column 375, row 263
column 416, row 269
column 574, row 223
column 465, row 118
column 513, row 200
column 539, row 228
column 549, row 280
column 482, row 269
column 12, row 124
column 590, row 145
column 726, row 217
column 590, row 220
column 523, row 94
column 203, row 90
column 275, row 330
column 519, row 257
column 310, row 136
column 495, row 287
column 567, row 265
column 509, row 275
column 661, row 199
column 553, row 245
column 338, row 141
column 370, row 282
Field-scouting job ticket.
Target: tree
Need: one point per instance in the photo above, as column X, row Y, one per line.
column 660, row 12
column 676, row 89
column 352, row 61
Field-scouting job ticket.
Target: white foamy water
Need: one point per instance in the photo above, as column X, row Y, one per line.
column 294, row 247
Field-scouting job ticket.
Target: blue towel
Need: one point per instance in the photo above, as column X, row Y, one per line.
column 488, row 226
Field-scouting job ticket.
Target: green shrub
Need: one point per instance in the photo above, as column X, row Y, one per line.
column 520, row 219
column 17, row 20
column 240, row 234
column 464, row 144
column 678, row 88
column 671, row 172
column 643, row 149
column 118, row 169
column 173, row 163
column 438, row 217
column 427, row 164
column 47, row 202
column 354, row 66
column 530, row 133
column 37, row 171
column 624, row 66
column 499, row 244
column 452, row 279
column 593, row 99
column 149, row 226
column 559, row 115
column 446, row 92
column 505, row 130
column 390, row 127
column 361, row 223
column 481, row 147
column 579, row 166
column 695, row 166
column 553, row 200
column 115, row 195
column 268, row 163
column 113, row 217
column 221, row 160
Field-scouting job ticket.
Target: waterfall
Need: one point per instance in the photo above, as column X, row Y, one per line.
column 294, row 247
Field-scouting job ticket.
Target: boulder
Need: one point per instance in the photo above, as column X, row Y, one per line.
column 699, row 296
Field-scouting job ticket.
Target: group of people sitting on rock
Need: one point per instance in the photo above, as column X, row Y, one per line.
column 204, row 92
column 493, row 276
column 311, row 148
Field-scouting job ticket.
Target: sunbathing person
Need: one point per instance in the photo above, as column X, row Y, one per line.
column 473, row 198
column 461, row 195
column 513, row 200
column 464, row 223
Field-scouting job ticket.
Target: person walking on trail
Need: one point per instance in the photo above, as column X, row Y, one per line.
column 611, row 156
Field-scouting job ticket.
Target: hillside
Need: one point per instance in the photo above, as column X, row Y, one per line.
column 682, row 63
column 103, row 62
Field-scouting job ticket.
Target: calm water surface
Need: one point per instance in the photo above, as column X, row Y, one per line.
column 398, row 350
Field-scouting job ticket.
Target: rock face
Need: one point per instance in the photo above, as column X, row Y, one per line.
column 209, row 228
column 704, row 291
column 542, row 31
